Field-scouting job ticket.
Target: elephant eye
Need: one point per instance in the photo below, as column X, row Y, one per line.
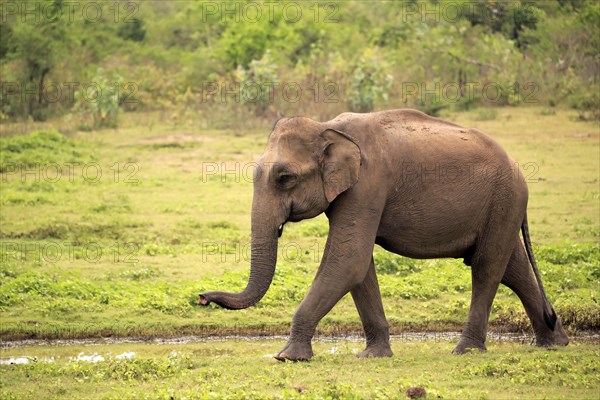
column 285, row 180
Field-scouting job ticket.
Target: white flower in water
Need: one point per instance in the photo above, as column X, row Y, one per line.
column 128, row 355
column 16, row 360
column 333, row 350
column 93, row 358
column 25, row 360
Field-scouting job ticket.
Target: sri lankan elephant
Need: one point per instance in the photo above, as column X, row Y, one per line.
column 417, row 186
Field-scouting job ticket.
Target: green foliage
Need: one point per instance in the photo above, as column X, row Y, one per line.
column 97, row 105
column 115, row 369
column 572, row 253
column 359, row 55
column 40, row 148
column 257, row 83
column 510, row 18
column 426, row 280
column 135, row 274
column 37, row 45
column 132, row 30
column 243, row 42
column 541, row 368
column 243, row 38
column 145, row 290
column 369, row 83
column 316, row 230
column 390, row 263
column 587, row 105
column 5, row 39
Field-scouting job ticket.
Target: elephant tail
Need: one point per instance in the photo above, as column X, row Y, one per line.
column 549, row 314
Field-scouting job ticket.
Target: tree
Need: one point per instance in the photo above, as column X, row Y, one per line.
column 37, row 41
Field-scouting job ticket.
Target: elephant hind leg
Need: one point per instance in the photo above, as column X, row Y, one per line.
column 367, row 298
column 520, row 279
column 488, row 263
column 485, row 282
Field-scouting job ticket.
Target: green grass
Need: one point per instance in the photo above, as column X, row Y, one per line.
column 243, row 369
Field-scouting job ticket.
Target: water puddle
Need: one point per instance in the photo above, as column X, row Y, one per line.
column 585, row 337
column 17, row 360
column 94, row 358
column 81, row 357
column 582, row 337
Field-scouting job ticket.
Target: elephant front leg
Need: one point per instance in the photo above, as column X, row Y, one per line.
column 367, row 298
column 330, row 285
column 346, row 261
column 324, row 293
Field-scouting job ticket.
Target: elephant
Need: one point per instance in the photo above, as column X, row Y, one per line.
column 416, row 185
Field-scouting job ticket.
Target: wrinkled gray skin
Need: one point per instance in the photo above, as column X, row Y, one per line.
column 416, row 185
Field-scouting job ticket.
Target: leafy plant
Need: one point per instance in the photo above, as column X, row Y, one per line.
column 369, row 83
column 257, row 83
column 97, row 105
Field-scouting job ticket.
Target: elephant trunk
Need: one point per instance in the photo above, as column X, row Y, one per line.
column 262, row 266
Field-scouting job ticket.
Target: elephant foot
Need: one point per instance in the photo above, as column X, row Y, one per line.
column 295, row 352
column 376, row 351
column 553, row 341
column 465, row 345
column 557, row 337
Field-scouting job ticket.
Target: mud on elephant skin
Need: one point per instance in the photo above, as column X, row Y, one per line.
column 418, row 186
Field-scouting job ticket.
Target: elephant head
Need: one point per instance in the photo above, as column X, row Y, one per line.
column 304, row 167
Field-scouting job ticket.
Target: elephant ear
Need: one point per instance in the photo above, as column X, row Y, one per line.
column 340, row 162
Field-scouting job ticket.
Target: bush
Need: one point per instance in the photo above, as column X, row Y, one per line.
column 587, row 106
column 255, row 83
column 97, row 104
column 369, row 83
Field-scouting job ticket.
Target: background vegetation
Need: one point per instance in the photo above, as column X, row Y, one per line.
column 231, row 59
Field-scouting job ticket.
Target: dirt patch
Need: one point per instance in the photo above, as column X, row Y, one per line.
column 178, row 140
column 583, row 136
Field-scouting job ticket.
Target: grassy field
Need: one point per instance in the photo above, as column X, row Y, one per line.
column 144, row 218
column 115, row 232
column 244, row 370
